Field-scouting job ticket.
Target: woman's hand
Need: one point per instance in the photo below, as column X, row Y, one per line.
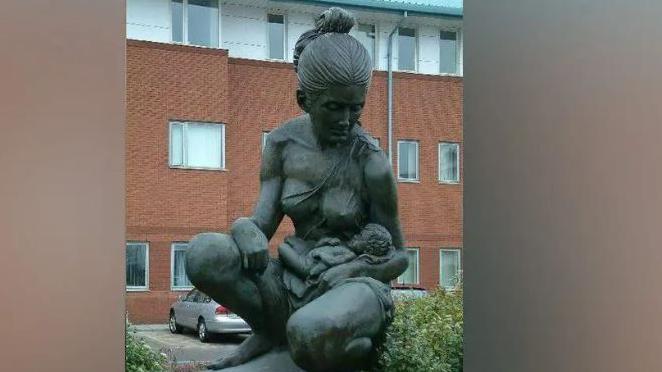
column 252, row 243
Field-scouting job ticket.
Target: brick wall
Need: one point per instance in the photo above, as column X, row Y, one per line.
column 171, row 82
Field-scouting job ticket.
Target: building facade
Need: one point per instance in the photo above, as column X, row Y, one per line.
column 207, row 80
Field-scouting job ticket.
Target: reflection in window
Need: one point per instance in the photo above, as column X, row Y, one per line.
column 179, row 278
column 276, row 34
column 450, row 269
column 195, row 22
column 197, row 145
column 410, row 276
column 406, row 49
column 408, row 160
column 136, row 266
column 449, row 162
column 448, row 54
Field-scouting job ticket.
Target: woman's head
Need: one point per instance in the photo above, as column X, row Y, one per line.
column 334, row 71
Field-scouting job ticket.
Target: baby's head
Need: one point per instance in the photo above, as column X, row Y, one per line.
column 374, row 239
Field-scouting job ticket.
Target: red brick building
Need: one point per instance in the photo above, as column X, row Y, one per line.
column 175, row 90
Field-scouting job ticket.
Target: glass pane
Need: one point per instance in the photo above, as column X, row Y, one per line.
column 204, row 144
column 176, row 144
column 409, row 276
column 407, row 49
column 203, row 22
column 366, row 35
column 403, row 160
column 450, row 268
column 448, row 157
column 179, row 278
column 448, row 56
column 276, row 31
column 136, row 259
column 177, row 21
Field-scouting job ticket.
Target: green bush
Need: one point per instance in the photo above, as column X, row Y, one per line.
column 426, row 335
column 139, row 356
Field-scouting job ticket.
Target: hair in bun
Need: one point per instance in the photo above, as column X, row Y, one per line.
column 327, row 55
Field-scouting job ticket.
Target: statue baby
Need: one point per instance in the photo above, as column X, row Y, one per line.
column 373, row 240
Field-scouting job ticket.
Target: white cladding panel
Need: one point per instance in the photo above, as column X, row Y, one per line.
column 148, row 20
column 428, row 50
column 244, row 31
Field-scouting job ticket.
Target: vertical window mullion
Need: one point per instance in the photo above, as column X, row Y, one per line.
column 185, row 21
column 185, row 144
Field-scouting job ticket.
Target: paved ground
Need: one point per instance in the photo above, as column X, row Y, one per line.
column 186, row 348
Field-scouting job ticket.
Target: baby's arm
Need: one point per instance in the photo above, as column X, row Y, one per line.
column 300, row 264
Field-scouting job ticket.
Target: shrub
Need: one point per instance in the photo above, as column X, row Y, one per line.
column 426, row 335
column 139, row 356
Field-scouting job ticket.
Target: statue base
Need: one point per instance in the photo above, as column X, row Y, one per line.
column 275, row 361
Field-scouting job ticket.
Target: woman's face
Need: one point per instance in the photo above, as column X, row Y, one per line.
column 335, row 111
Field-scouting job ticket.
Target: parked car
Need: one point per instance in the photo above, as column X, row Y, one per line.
column 400, row 293
column 199, row 312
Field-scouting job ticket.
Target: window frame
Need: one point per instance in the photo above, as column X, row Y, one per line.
column 185, row 40
column 418, row 165
column 185, row 145
column 375, row 46
column 268, row 43
column 459, row 266
column 172, row 268
column 133, row 288
column 457, row 52
column 458, row 163
column 418, row 270
column 416, row 41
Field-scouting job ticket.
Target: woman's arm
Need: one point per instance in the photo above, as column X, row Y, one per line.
column 267, row 214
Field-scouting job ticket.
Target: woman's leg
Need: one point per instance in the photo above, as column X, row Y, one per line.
column 335, row 332
column 213, row 265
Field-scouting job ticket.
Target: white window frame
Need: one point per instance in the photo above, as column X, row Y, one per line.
column 416, row 45
column 457, row 164
column 285, row 50
column 457, row 52
column 418, row 165
column 185, row 26
column 134, row 288
column 185, row 144
column 418, row 270
column 459, row 266
column 172, row 268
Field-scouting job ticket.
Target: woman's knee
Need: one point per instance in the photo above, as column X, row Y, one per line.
column 212, row 258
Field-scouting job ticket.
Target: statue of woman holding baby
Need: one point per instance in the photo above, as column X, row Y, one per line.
column 327, row 296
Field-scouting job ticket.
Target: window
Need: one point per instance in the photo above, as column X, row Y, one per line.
column 366, row 35
column 449, row 162
column 137, row 266
column 178, row 269
column 195, row 22
column 408, row 160
column 410, row 276
column 264, row 139
column 197, row 145
column 449, row 268
column 406, row 49
column 448, row 52
column 276, row 36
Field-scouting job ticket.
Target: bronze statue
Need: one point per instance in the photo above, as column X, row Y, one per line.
column 326, row 298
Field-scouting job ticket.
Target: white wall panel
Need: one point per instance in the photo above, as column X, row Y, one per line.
column 428, row 50
column 244, row 31
column 148, row 20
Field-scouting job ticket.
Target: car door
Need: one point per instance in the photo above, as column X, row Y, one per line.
column 185, row 316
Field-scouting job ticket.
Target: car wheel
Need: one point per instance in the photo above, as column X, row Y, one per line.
column 203, row 333
column 172, row 324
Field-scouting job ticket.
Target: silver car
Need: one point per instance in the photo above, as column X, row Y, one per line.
column 199, row 312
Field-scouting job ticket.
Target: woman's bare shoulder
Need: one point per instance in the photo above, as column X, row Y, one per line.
column 290, row 130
